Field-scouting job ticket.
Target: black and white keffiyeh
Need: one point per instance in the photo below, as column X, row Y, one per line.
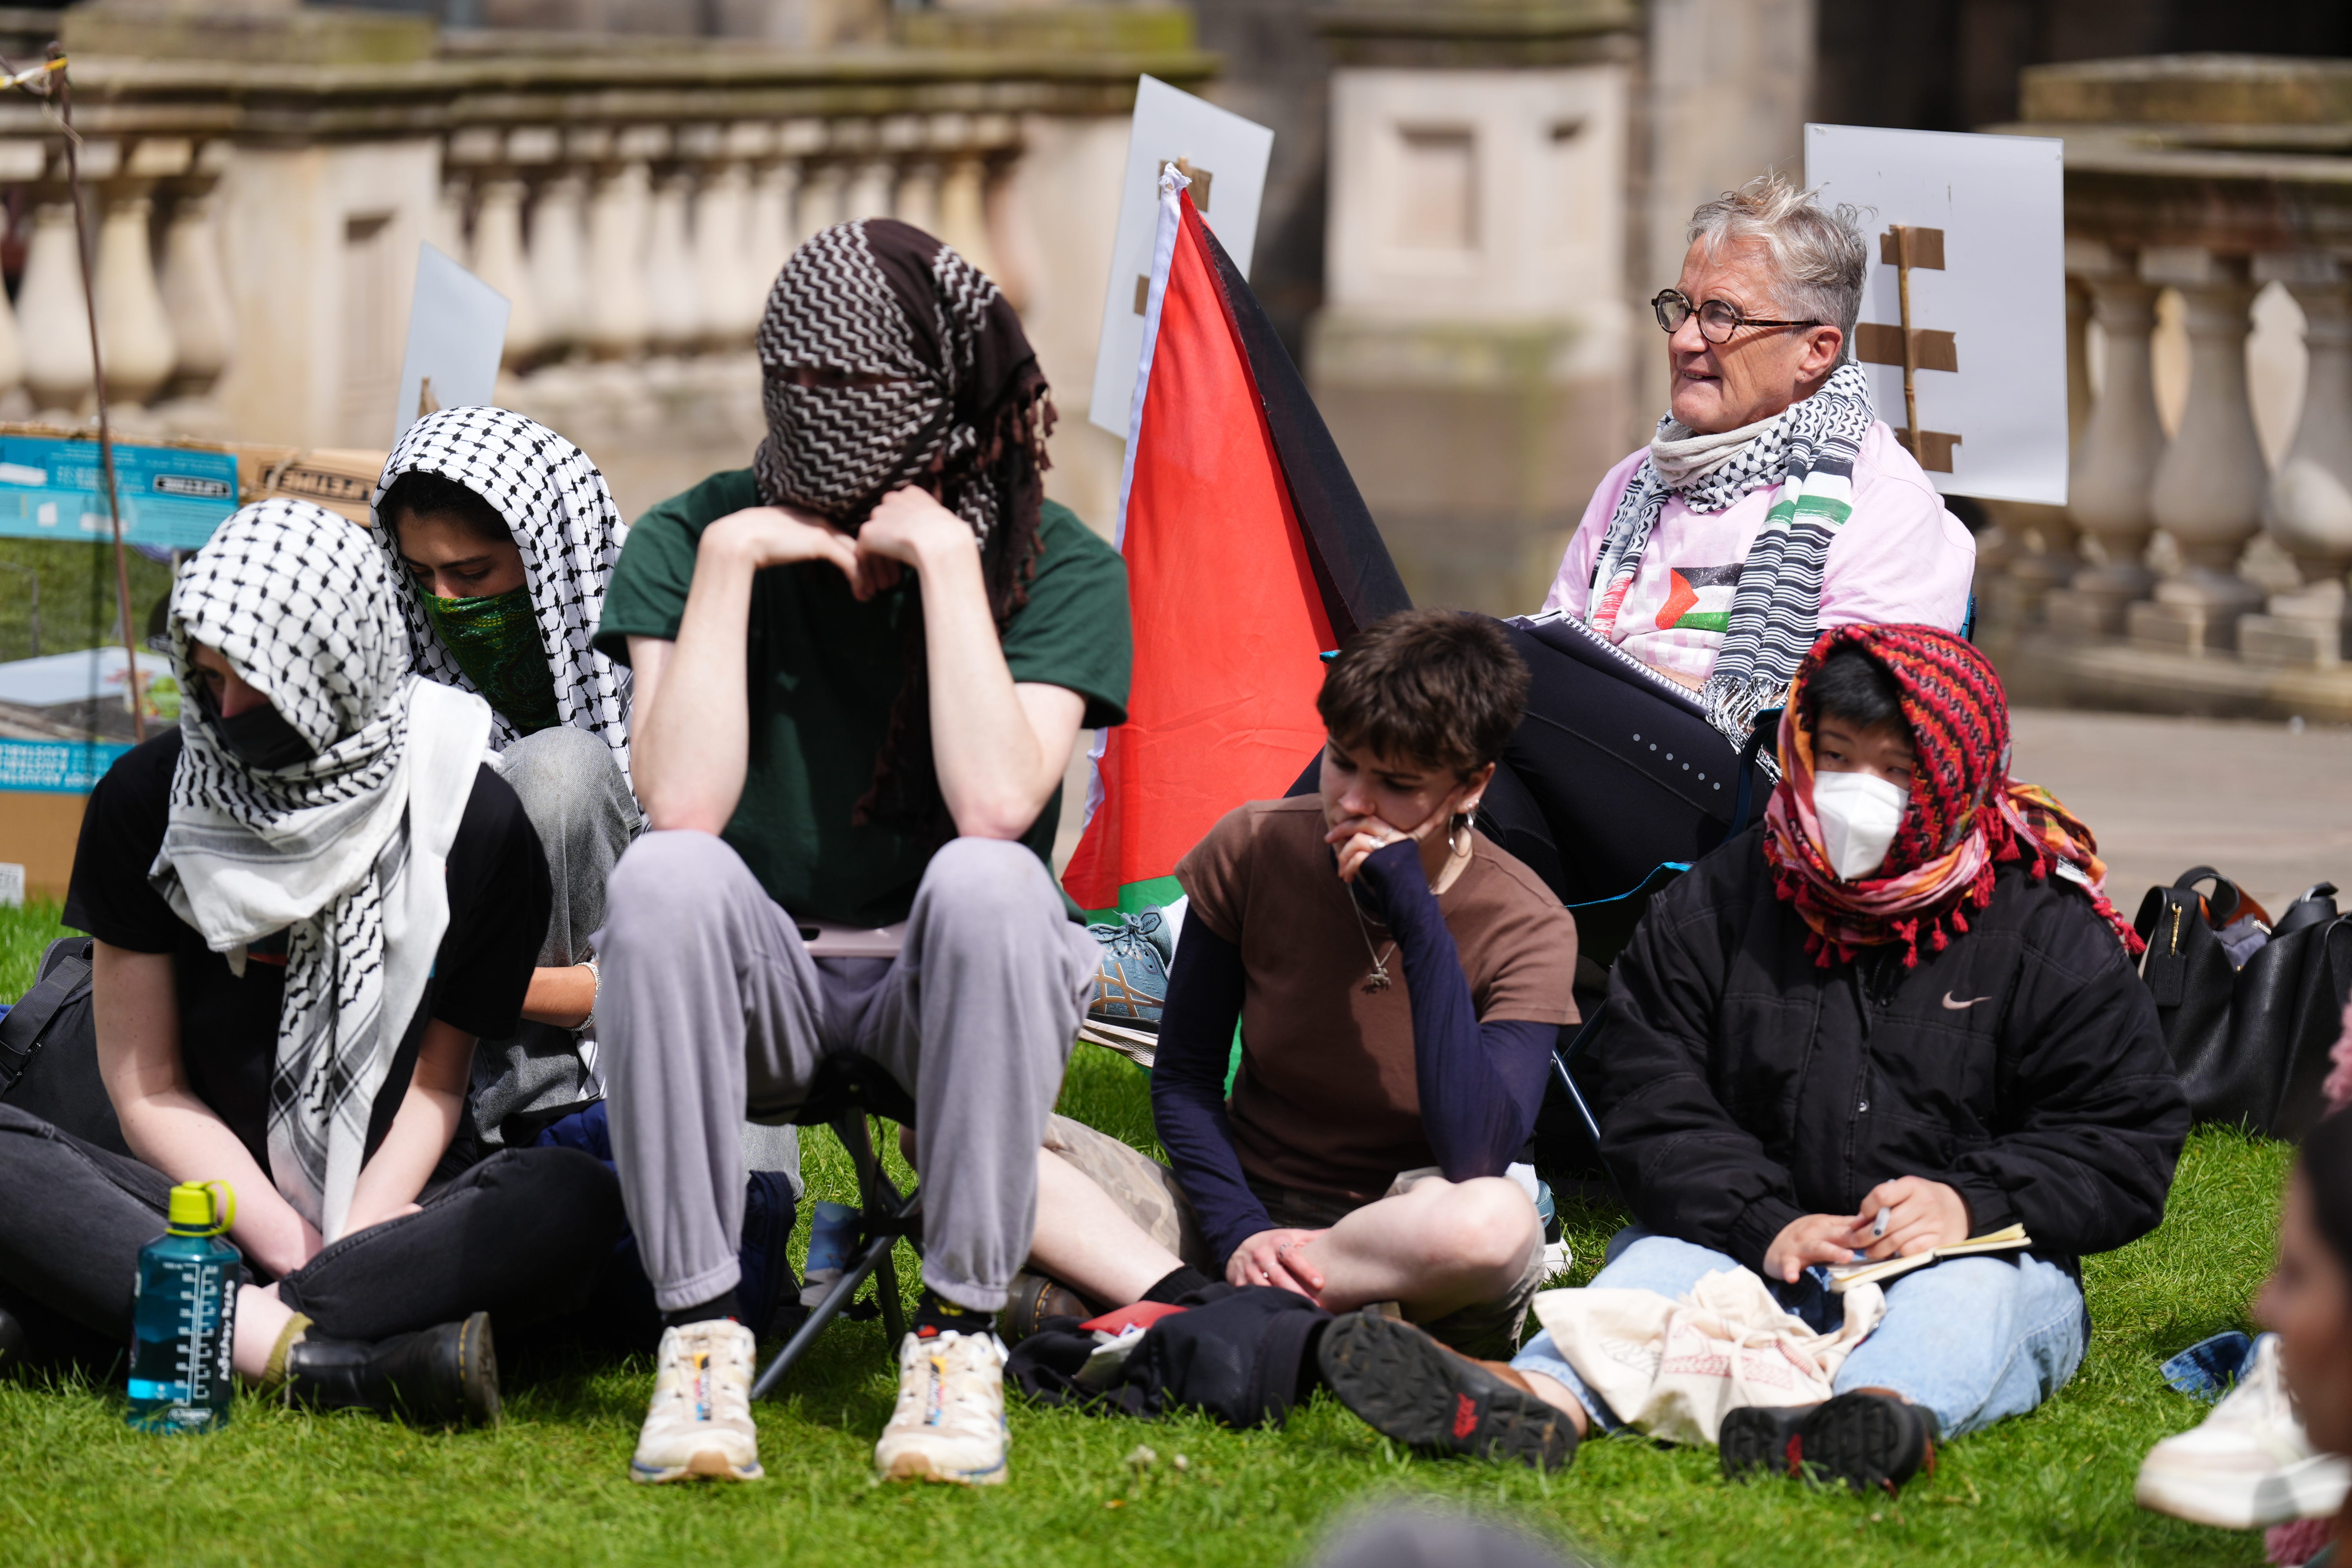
column 1809, row 450
column 344, row 852
column 887, row 360
column 556, row 504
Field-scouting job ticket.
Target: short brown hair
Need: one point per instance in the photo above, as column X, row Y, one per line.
column 1436, row 685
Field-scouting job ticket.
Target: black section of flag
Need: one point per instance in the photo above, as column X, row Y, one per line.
column 1358, row 582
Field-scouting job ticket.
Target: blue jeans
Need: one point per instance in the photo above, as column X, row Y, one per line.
column 1972, row 1339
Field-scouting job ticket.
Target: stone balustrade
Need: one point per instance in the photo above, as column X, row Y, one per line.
column 257, row 225
column 2208, row 178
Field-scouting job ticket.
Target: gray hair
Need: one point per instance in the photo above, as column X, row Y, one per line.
column 1818, row 251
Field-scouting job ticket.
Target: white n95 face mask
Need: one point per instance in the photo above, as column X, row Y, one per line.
column 1859, row 814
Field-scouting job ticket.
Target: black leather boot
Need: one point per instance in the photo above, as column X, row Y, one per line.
column 443, row 1376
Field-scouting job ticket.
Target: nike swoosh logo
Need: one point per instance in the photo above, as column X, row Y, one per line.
column 1963, row 1006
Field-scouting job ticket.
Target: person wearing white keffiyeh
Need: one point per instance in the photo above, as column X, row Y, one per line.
column 1772, row 503
column 306, row 903
column 508, row 536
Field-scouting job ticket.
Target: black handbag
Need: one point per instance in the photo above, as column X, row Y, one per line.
column 2251, row 1041
column 49, row 1050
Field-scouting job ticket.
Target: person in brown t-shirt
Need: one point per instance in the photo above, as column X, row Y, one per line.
column 1400, row 984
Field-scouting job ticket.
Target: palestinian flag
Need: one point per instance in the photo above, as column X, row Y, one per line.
column 1249, row 554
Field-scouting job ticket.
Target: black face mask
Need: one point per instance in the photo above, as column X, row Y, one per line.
column 259, row 737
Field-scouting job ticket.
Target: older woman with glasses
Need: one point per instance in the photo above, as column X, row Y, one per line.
column 1772, row 503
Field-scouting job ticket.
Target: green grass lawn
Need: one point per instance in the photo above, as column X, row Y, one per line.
column 550, row 1485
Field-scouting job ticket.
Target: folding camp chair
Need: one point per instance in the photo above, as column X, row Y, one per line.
column 848, row 1089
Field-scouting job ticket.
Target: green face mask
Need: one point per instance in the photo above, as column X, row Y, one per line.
column 495, row 642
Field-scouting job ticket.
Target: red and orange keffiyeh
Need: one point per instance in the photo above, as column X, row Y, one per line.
column 1966, row 814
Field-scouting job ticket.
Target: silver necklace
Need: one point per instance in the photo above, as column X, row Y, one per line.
column 1378, row 980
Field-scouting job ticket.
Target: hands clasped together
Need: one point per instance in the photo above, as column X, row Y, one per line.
column 907, row 528
column 1921, row 1214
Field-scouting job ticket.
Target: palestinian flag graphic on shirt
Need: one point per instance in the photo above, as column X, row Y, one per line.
column 1249, row 554
column 1699, row 598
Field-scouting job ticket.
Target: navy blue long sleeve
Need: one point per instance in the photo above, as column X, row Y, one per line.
column 1188, row 1086
column 1481, row 1086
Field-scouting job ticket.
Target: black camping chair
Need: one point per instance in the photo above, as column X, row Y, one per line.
column 849, row 1089
column 1619, row 915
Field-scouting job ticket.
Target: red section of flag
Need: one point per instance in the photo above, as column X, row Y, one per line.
column 1228, row 618
column 1682, row 597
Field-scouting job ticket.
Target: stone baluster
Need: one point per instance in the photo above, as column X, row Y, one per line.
column 616, row 322
column 2209, row 486
column 133, row 332
column 559, row 259
column 12, row 354
column 774, row 181
column 713, row 232
column 2308, row 506
column 499, row 260
column 963, row 191
column 2114, row 462
column 822, row 189
column 444, row 228
column 673, row 314
column 51, row 309
column 195, row 294
column 732, row 289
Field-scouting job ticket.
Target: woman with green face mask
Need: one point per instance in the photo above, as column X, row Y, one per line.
column 506, row 535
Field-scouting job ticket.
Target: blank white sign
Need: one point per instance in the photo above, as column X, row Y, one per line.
column 457, row 334
column 1170, row 124
column 2000, row 202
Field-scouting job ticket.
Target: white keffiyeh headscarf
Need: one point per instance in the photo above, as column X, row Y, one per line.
column 343, row 852
column 1809, row 450
column 555, row 503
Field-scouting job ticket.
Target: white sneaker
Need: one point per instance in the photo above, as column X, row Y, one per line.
column 2250, row 1464
column 700, row 1420
column 950, row 1423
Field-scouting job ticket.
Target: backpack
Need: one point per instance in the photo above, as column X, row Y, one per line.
column 1236, row 1353
column 49, row 1050
column 2250, row 1007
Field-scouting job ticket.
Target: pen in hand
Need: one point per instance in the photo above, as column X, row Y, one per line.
column 1878, row 1226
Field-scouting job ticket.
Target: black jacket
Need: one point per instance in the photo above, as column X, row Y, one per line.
column 1739, row 1086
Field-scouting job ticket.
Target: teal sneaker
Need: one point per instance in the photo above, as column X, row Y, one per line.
column 1131, row 985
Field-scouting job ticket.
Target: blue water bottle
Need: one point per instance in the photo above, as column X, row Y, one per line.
column 183, row 1318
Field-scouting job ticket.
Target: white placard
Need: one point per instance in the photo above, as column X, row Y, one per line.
column 1170, row 124
column 12, row 885
column 457, row 333
column 2001, row 292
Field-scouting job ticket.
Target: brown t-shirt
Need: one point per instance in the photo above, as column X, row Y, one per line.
column 1326, row 1100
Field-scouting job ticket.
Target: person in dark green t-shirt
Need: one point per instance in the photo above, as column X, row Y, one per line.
column 861, row 668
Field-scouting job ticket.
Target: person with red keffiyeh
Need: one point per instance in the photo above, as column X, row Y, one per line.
column 1897, row 1013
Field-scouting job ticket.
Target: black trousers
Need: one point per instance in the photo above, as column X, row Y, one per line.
column 522, row 1235
column 1610, row 774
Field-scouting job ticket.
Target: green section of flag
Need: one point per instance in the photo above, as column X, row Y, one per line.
column 1151, row 894
column 1704, row 621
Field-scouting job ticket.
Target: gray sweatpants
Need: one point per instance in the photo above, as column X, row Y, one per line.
column 577, row 802
column 711, row 1006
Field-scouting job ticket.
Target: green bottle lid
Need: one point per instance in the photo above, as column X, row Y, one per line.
column 202, row 1208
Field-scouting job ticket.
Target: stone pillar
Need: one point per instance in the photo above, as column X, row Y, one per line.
column 196, row 297
column 2115, row 463
column 500, row 261
column 2209, row 486
column 2308, row 506
column 1473, row 353
column 820, row 204
column 50, row 306
column 559, row 259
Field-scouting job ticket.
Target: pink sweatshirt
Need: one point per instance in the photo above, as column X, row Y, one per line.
column 1900, row 559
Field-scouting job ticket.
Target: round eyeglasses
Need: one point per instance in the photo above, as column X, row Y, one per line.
column 1717, row 319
